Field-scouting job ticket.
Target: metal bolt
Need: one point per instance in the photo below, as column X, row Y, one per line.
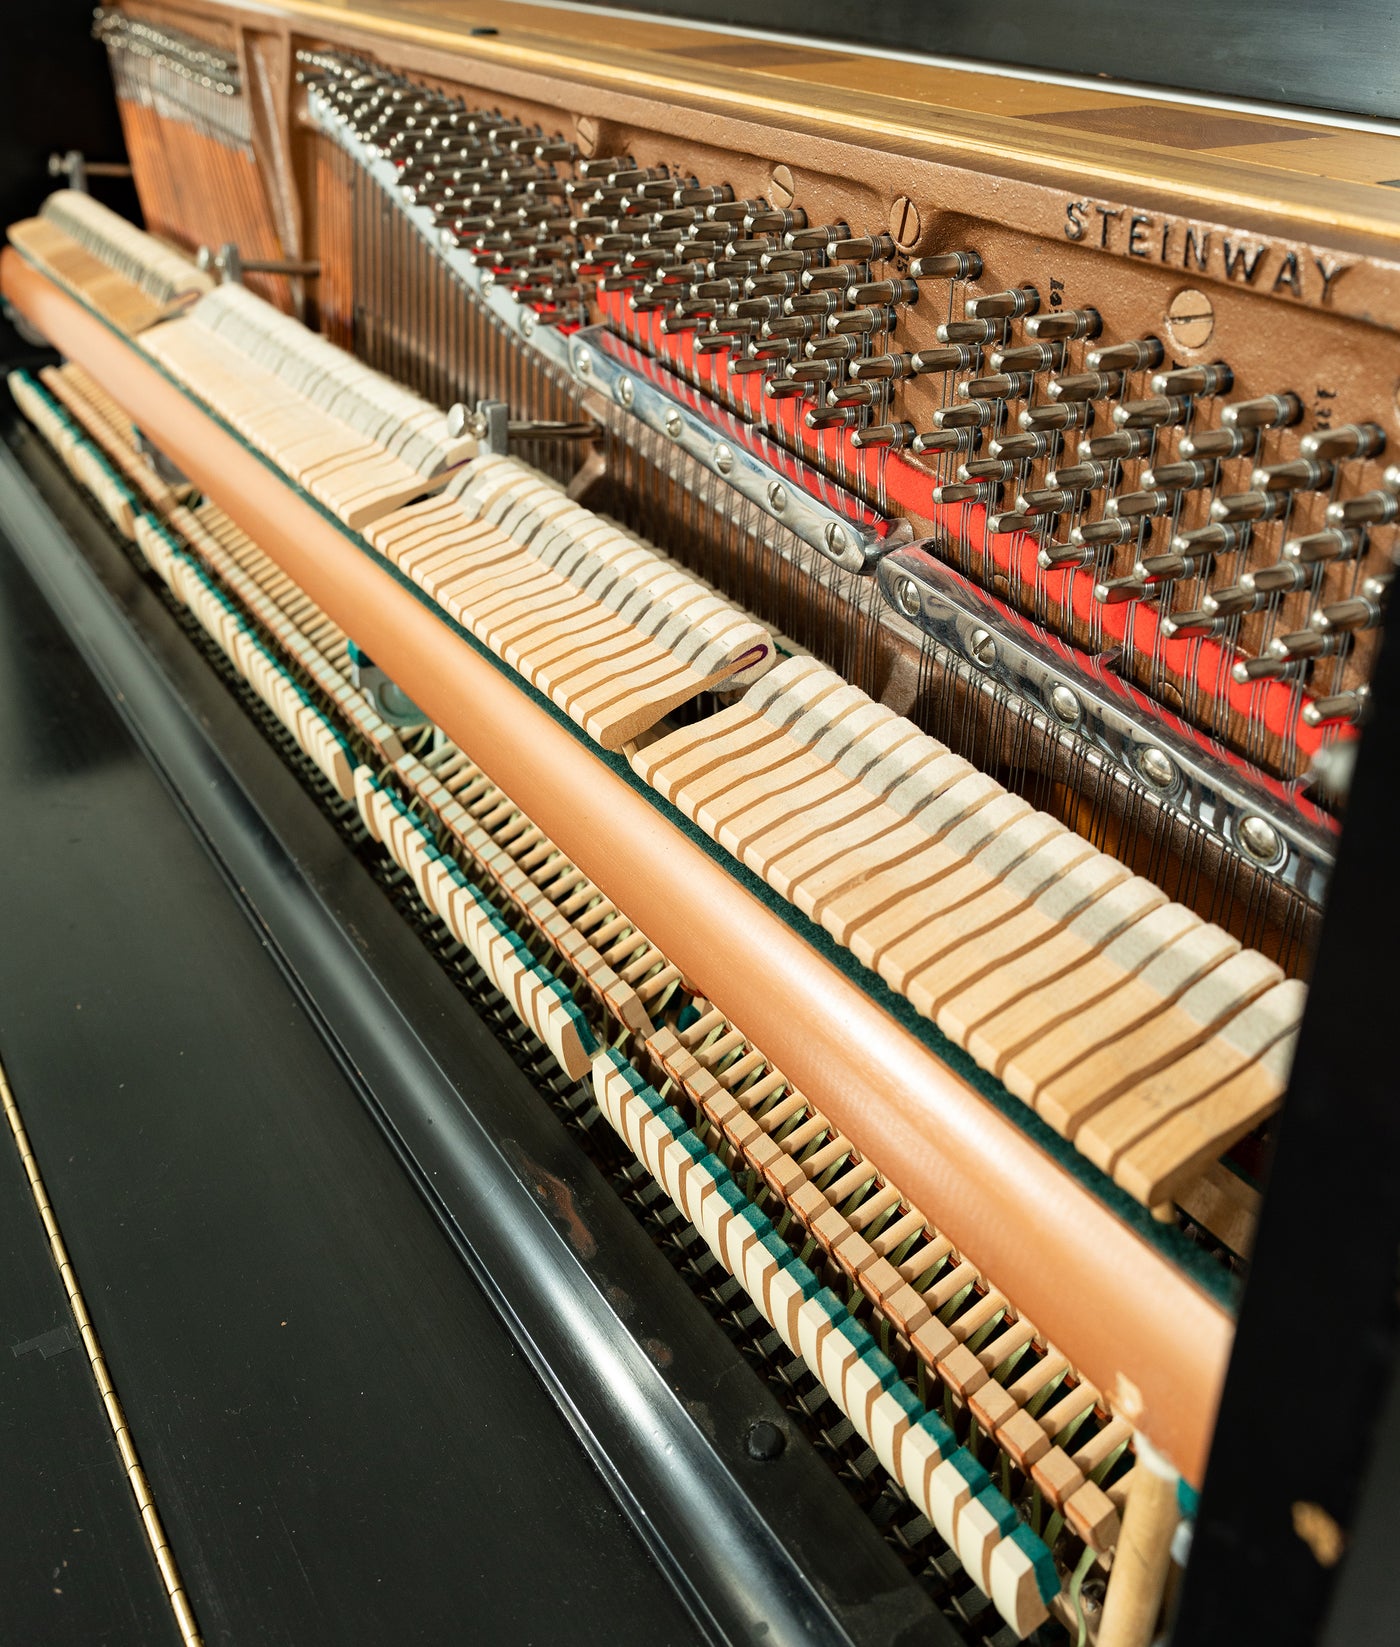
column 982, row 648
column 777, row 498
column 459, row 420
column 671, row 423
column 1259, row 838
column 527, row 322
column 836, row 539
column 586, row 132
column 1064, row 705
column 906, row 597
column 723, row 458
column 1190, row 319
column 624, row 391
column 583, row 364
column 1156, row 766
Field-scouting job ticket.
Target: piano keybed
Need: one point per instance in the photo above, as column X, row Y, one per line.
column 1019, row 1463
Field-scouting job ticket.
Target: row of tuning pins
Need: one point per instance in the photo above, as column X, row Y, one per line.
column 489, row 181
column 798, row 306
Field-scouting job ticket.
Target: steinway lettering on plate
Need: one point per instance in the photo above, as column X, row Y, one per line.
column 1198, row 248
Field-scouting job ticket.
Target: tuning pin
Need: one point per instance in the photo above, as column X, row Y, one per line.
column 1046, row 500
column 817, row 239
column 1214, row 539
column 947, row 266
column 1064, row 557
column 1282, row 578
column 1029, row 357
column 989, row 469
column 882, row 291
column 1077, row 415
column 950, row 357
column 971, row 331
column 1347, row 616
column 863, row 322
column 787, row 388
column 1370, row 508
column 1115, row 591
column 1178, row 477
column 1234, row 600
column 1064, row 324
column 1085, row 386
column 862, row 249
column 1194, row 380
column 1122, row 444
column 1079, row 477
column 1125, row 357
column 1012, row 521
column 975, row 414
column 1023, row 300
column 1024, row 448
column 833, row 417
column 893, row 435
column 1299, row 475
column 881, row 368
column 1175, row 625
column 1137, row 505
column 734, row 211
column 1152, row 413
column 962, row 492
column 1340, row 706
column 1351, row 440
column 1165, row 568
column 1234, row 507
column 1103, row 532
column 1268, row 412
column 1303, row 644
column 947, row 440
column 1214, row 443
column 1002, row 386
column 1247, row 670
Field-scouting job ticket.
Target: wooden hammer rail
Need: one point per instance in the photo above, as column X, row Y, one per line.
column 1014, row 1389
column 1141, row 1329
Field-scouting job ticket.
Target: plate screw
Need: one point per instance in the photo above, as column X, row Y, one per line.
column 583, row 364
column 1191, row 319
column 624, row 391
column 672, row 425
column 765, row 1441
column 781, row 187
column 1156, row 766
column 1065, row 705
column 906, row 597
column 527, row 322
column 981, row 648
column 836, row 539
column 723, row 458
column 777, row 498
column 1259, row 838
column 586, row 130
column 905, row 226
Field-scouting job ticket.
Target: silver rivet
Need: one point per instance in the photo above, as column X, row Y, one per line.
column 981, row 648
column 459, row 420
column 1259, row 838
column 1064, row 704
column 672, row 425
column 527, row 322
column 583, row 364
column 836, row 540
column 906, row 597
column 777, row 498
column 624, row 391
column 723, row 458
column 1156, row 766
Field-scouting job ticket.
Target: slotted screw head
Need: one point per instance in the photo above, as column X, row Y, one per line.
column 777, row 498
column 625, row 391
column 906, row 597
column 672, row 425
column 1259, row 838
column 1156, row 766
column 836, row 539
column 982, row 648
column 1064, row 704
column 723, row 458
